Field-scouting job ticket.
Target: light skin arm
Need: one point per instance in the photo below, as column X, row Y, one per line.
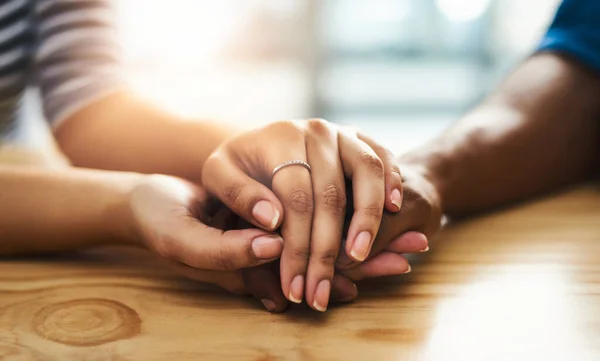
column 48, row 211
column 123, row 132
column 538, row 131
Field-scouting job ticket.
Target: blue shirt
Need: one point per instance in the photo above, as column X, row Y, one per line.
column 576, row 31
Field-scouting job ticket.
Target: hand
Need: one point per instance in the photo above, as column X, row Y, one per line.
column 175, row 219
column 239, row 173
column 404, row 232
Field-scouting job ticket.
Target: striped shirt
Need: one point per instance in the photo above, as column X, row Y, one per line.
column 66, row 48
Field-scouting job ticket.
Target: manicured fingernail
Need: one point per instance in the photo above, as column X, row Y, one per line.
column 266, row 247
column 408, row 270
column 396, row 198
column 269, row 305
column 322, row 295
column 266, row 214
column 296, row 289
column 425, row 249
column 361, row 246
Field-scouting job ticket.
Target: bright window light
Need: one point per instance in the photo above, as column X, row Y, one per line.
column 460, row 11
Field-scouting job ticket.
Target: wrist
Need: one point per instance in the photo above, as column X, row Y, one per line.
column 119, row 219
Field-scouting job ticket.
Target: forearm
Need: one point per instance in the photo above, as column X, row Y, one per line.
column 49, row 211
column 122, row 132
column 538, row 131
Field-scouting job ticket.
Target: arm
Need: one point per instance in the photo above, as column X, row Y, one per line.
column 122, row 132
column 538, row 131
column 49, row 211
column 97, row 121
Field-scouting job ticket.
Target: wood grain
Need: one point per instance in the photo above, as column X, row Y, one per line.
column 521, row 284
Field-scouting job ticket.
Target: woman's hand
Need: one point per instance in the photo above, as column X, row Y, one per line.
column 205, row 241
column 175, row 219
column 240, row 174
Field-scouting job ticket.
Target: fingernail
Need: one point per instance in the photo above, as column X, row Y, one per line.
column 266, row 247
column 361, row 246
column 269, row 305
column 322, row 295
column 266, row 214
column 408, row 270
column 396, row 198
column 425, row 249
column 296, row 289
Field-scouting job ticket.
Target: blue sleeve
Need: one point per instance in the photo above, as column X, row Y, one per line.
column 576, row 31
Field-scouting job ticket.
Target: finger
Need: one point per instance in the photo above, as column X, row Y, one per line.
column 193, row 243
column 365, row 168
column 263, row 283
column 409, row 242
column 343, row 290
column 229, row 281
column 293, row 186
column 417, row 214
column 384, row 264
column 329, row 209
column 245, row 196
column 393, row 177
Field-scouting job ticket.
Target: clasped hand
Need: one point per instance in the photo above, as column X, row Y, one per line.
column 309, row 233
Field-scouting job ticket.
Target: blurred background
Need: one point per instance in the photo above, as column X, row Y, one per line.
column 401, row 70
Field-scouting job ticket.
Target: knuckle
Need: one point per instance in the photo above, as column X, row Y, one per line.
column 300, row 202
column 372, row 162
column 286, row 128
column 222, row 258
column 417, row 201
column 301, row 253
column 373, row 211
column 334, row 199
column 233, row 195
column 327, row 257
column 318, row 126
column 418, row 207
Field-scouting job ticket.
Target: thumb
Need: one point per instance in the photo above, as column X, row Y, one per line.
column 197, row 245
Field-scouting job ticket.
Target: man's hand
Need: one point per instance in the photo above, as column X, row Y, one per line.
column 407, row 231
column 400, row 233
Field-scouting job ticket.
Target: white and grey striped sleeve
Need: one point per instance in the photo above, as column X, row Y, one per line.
column 78, row 58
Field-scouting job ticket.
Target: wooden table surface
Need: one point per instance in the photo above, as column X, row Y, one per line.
column 523, row 283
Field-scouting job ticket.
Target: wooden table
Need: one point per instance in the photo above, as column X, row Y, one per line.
column 520, row 284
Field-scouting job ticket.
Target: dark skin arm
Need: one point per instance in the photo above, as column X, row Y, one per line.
column 538, row 131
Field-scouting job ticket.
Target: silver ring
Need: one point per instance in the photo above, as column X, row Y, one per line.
column 290, row 163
